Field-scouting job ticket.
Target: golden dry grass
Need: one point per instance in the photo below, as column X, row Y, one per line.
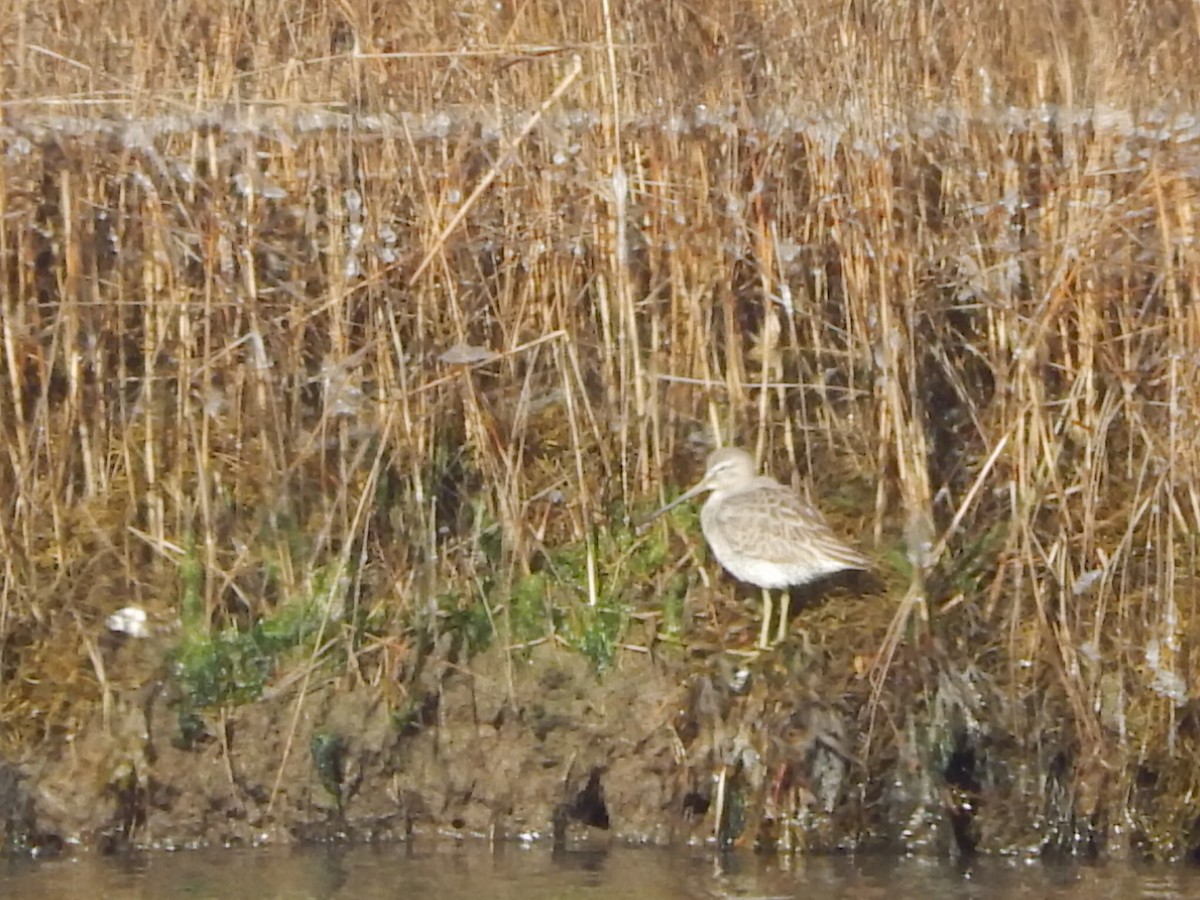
column 941, row 256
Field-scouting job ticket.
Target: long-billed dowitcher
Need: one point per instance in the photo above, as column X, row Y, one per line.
column 763, row 533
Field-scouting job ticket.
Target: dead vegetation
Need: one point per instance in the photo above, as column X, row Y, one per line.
column 319, row 349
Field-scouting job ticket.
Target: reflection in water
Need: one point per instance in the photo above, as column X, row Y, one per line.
column 586, row 860
column 514, row 871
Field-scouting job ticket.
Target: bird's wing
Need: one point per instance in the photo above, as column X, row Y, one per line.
column 772, row 524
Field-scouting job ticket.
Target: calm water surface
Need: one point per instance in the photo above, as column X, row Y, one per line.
column 468, row 873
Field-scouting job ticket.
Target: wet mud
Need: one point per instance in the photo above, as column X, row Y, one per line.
column 671, row 745
column 798, row 749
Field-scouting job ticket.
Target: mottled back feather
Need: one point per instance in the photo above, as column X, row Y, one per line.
column 765, row 534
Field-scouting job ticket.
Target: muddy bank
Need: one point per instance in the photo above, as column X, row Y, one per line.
column 509, row 744
column 671, row 745
column 801, row 748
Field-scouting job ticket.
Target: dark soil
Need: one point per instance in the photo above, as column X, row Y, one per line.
column 527, row 744
column 799, row 748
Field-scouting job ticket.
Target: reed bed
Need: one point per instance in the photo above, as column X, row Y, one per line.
column 395, row 317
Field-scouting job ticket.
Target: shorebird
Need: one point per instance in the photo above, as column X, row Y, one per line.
column 763, row 533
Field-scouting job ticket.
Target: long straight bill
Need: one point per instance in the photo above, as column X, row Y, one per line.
column 686, row 495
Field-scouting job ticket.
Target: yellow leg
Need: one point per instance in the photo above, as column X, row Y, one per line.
column 763, row 641
column 719, row 831
column 783, row 617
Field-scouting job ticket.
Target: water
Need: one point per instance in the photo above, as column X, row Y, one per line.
column 471, row 872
